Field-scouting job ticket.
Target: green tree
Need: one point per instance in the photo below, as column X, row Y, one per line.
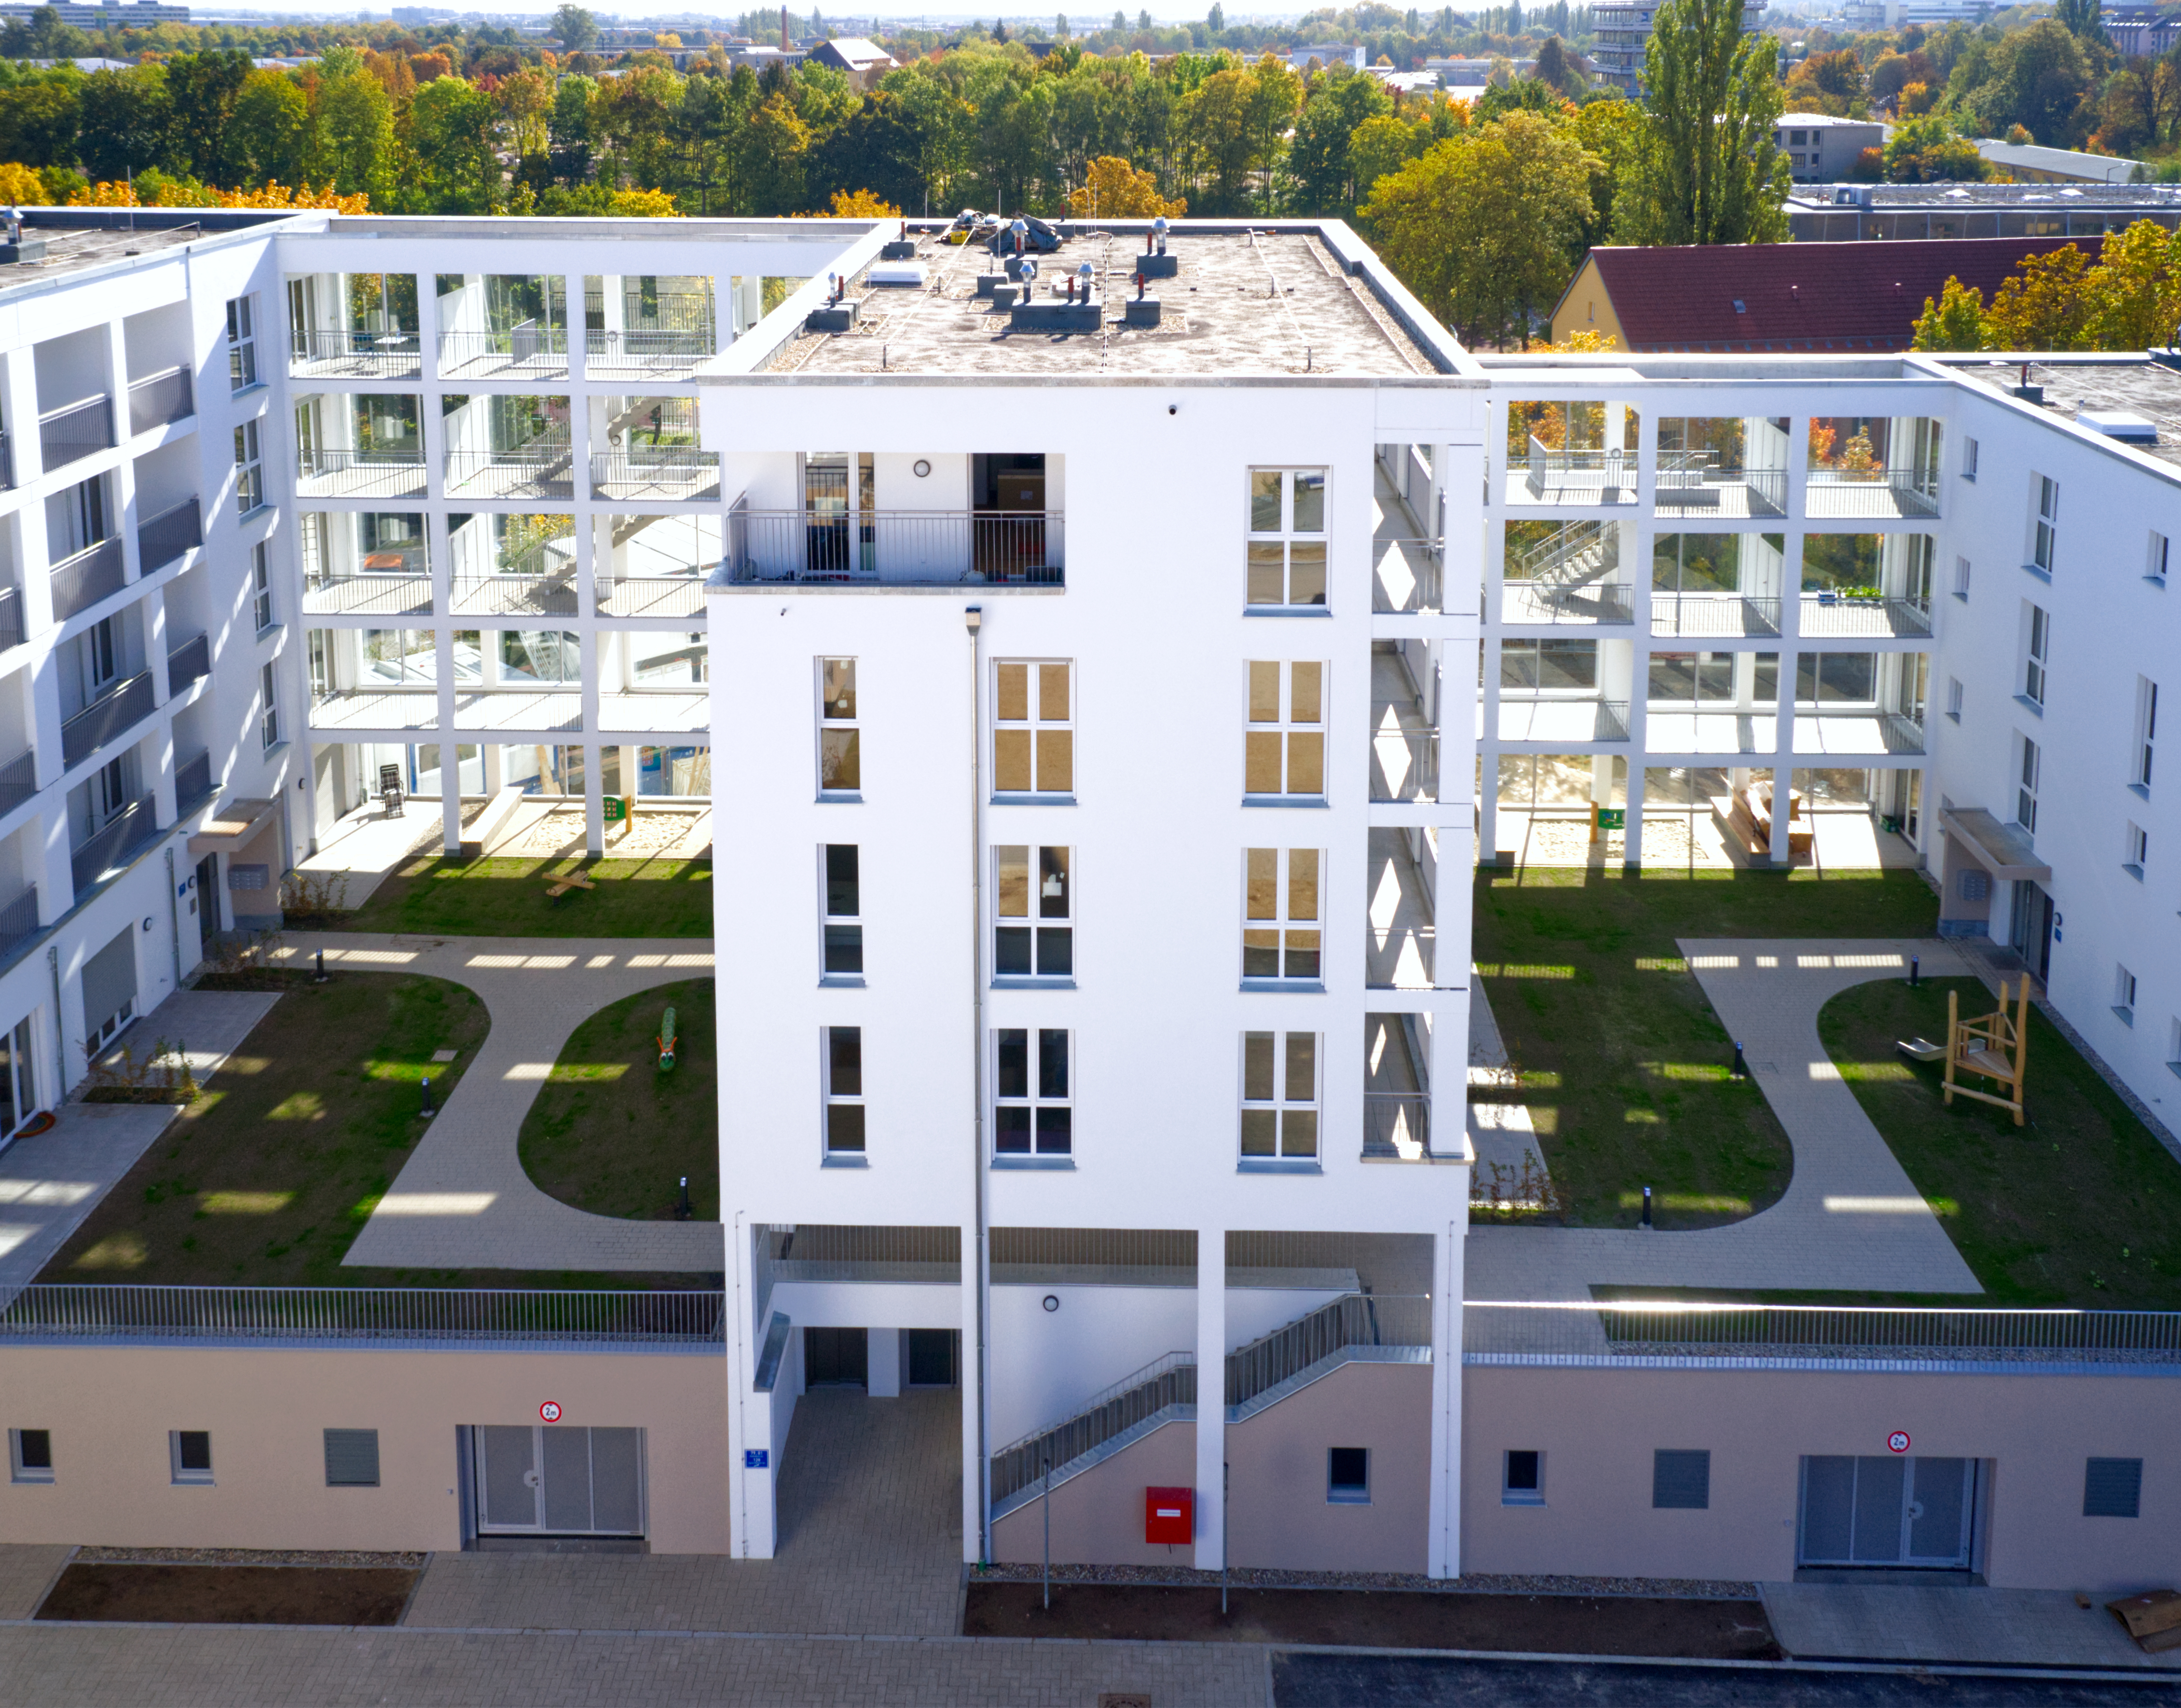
column 1928, row 149
column 2081, row 19
column 2040, row 79
column 355, row 138
column 1318, row 160
column 203, row 89
column 774, row 145
column 271, row 130
column 125, row 121
column 571, row 136
column 454, row 132
column 39, row 120
column 574, row 29
column 1704, row 168
column 1955, row 322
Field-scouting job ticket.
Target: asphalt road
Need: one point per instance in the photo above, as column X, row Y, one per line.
column 1336, row 1680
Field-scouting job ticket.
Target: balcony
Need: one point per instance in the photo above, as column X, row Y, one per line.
column 1840, row 616
column 900, row 547
column 644, row 353
column 19, row 781
column 1677, row 727
column 11, row 617
column 1403, row 745
column 1536, row 604
column 1570, row 576
column 546, row 711
column 1858, row 735
column 1397, row 1126
column 516, row 596
column 1884, row 494
column 121, row 708
column 1695, row 483
column 526, row 351
column 1714, row 616
column 1402, row 933
column 110, row 849
column 351, row 710
column 1592, row 476
column 19, row 921
column 177, row 529
column 1570, row 720
column 160, row 399
column 193, row 784
column 360, row 474
column 650, row 596
column 81, row 581
column 353, row 355
column 371, row 594
column 188, row 661
column 671, row 474
column 1406, row 576
column 78, row 430
column 1396, row 1088
column 542, row 469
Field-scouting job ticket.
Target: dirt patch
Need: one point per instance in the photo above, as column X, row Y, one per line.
column 231, row 1595
column 1383, row 1619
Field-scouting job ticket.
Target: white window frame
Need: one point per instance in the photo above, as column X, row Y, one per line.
column 2154, row 569
column 1278, row 743
column 201, row 1476
column 1036, row 745
column 1269, row 1088
column 2028, row 764
column 261, row 585
column 1039, row 1045
column 1961, row 578
column 2145, row 748
column 249, row 468
column 1271, row 552
column 268, row 688
column 829, row 921
column 1049, row 936
column 843, row 1097
column 829, row 725
column 2173, row 1045
column 241, row 343
column 1297, row 939
column 2135, row 849
column 1509, row 1496
column 2044, row 522
column 2036, row 655
column 1954, row 699
column 1968, row 459
column 2125, row 993
column 18, row 1471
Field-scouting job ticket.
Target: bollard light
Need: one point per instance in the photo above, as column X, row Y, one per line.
column 1647, row 1210
column 427, row 1097
column 1915, row 971
column 1741, row 1069
column 319, row 977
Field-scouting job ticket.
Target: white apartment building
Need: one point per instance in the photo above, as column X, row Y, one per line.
column 1624, row 35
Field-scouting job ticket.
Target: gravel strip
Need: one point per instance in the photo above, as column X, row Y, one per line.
column 1260, row 1578
column 245, row 1556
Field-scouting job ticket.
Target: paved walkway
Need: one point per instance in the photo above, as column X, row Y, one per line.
column 1998, row 1628
column 462, row 1200
column 48, row 1184
column 1850, row 1217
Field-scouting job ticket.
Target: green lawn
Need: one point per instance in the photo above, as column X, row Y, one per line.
column 610, row 1133
column 1620, row 1060
column 2080, row 1207
column 506, row 898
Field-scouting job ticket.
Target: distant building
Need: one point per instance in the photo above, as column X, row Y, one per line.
column 415, row 17
column 2139, row 31
column 866, row 61
column 1853, row 212
column 1623, row 31
column 137, row 14
column 1821, row 149
column 1328, row 54
column 2029, row 164
column 1891, row 15
column 1473, row 74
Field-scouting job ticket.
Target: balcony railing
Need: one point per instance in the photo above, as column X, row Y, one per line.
column 1406, row 576
column 74, row 1312
column 109, row 848
column 356, row 354
column 529, row 347
column 1699, row 616
column 19, row 781
column 650, row 596
column 1535, row 604
column 1832, row 616
column 193, row 780
column 19, row 921
column 159, row 398
column 640, row 352
column 175, row 529
column 6, row 461
column 918, row 547
column 361, row 473
column 81, row 581
column 1397, row 1126
column 515, row 595
column 1580, row 477
column 544, row 470
column 369, row 594
column 1353, row 1319
column 678, row 472
column 1842, row 492
column 1404, row 763
column 11, row 617
column 1398, row 957
column 78, row 430
column 1691, row 481
column 1527, row 719
column 187, row 661
column 120, row 708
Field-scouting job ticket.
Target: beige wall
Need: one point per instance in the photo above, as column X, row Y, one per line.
column 110, row 1408
column 1598, row 1428
column 1279, row 1515
column 1588, row 306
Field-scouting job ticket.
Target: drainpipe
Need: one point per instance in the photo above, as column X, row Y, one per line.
column 60, row 1032
column 174, row 915
column 975, row 617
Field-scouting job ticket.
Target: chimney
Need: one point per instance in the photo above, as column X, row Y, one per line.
column 786, row 46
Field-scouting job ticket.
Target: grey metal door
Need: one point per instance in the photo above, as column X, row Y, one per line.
column 559, row 1479
column 1881, row 1510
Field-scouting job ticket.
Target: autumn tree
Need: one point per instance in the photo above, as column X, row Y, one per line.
column 1955, row 322
column 1114, row 190
column 1704, row 167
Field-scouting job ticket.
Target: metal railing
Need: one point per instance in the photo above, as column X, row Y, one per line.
column 1404, row 763
column 1831, row 615
column 11, row 617
column 19, row 921
column 508, row 596
column 650, row 596
column 1834, row 491
column 1903, row 734
column 538, row 348
column 1353, row 1319
column 1397, row 1126
column 645, row 351
column 1700, row 615
column 76, row 432
column 158, row 398
column 1170, row 1379
column 1407, row 576
column 363, row 473
column 674, row 471
column 188, row 661
column 1696, row 480
column 927, row 548
column 542, row 468
column 81, row 581
column 175, row 529
column 1524, row 602
column 19, row 781
column 6, row 461
column 365, row 353
column 121, row 707
column 361, row 1313
column 1398, row 957
column 1561, row 1333
column 368, row 594
column 1608, row 474
column 193, row 780
column 1593, row 547
column 111, row 845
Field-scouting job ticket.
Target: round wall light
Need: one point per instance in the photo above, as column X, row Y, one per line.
column 920, row 468
column 1052, row 1301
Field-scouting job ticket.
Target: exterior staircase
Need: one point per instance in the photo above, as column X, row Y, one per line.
column 1574, row 556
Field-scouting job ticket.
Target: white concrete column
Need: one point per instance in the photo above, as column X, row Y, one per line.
column 18, row 381
column 1442, row 1549
column 490, row 753
column 594, row 826
column 122, row 489
column 632, row 759
column 1210, row 1398
column 450, row 771
column 882, row 1364
column 975, row 1405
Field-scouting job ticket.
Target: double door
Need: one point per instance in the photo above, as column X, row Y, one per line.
column 559, row 1480
column 1888, row 1510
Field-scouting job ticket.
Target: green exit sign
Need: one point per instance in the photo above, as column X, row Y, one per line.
column 1613, row 818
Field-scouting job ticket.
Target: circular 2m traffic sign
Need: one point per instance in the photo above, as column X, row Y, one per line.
column 550, row 1412
column 1897, row 1442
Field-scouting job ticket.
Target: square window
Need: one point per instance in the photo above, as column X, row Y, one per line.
column 1033, row 727
column 351, row 1459
column 31, row 1456
column 2155, row 567
column 1348, row 1475
column 189, row 1455
column 1961, row 578
column 2112, row 1488
column 1968, row 459
column 1681, row 1479
column 1522, row 1478
column 2124, row 995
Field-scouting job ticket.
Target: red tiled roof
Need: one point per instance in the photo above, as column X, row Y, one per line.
column 1800, row 297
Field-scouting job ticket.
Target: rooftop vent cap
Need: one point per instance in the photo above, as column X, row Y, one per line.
column 1739, row 306
column 2119, row 424
column 1159, row 224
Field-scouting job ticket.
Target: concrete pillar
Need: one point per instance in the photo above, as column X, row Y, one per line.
column 1442, row 1548
column 1210, row 1398
column 632, row 761
column 491, row 755
column 594, row 826
column 1783, row 777
column 976, row 1407
column 882, row 1364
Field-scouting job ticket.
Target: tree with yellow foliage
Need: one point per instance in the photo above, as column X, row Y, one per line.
column 1112, row 189
column 21, row 186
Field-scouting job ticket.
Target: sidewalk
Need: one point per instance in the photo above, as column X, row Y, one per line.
column 1995, row 1628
